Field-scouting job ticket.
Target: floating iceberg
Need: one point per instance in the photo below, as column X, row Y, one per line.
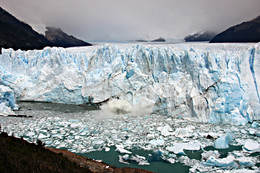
column 223, row 141
column 251, row 146
column 215, row 83
column 225, row 162
column 233, row 161
column 179, row 148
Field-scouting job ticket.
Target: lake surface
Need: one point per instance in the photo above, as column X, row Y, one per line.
column 84, row 131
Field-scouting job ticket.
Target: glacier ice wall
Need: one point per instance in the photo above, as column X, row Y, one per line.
column 216, row 83
column 7, row 101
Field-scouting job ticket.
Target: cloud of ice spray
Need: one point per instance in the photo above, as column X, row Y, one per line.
column 119, row 107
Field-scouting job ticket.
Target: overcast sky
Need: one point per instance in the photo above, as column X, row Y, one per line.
column 133, row 19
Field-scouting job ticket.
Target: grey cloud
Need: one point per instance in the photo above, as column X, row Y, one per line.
column 133, row 19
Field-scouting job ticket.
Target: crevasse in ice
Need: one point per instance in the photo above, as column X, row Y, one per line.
column 215, row 83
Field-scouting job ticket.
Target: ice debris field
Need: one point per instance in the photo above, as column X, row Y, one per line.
column 168, row 98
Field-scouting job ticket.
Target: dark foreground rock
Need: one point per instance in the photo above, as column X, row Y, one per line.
column 18, row 155
column 244, row 32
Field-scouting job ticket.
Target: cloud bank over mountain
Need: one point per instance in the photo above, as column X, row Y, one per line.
column 133, row 19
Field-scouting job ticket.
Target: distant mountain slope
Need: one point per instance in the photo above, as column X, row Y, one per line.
column 200, row 36
column 244, row 32
column 159, row 40
column 18, row 35
column 61, row 39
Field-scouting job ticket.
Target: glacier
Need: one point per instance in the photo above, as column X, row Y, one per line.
column 7, row 101
column 213, row 83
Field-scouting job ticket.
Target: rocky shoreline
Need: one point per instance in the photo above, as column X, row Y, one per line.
column 18, row 155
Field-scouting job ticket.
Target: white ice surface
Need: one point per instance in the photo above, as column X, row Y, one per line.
column 205, row 82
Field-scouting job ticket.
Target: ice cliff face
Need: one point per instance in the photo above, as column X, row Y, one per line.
column 7, row 101
column 208, row 83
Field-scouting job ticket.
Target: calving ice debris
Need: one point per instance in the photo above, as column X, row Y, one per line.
column 168, row 98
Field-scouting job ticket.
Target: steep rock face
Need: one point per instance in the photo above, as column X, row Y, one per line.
column 244, row 32
column 18, row 35
column 61, row 39
column 200, row 36
column 208, row 83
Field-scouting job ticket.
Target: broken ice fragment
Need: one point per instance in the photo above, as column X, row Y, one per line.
column 179, row 148
column 165, row 131
column 42, row 136
column 223, row 141
column 48, row 142
column 224, row 163
column 255, row 124
column 251, row 131
column 30, row 134
column 122, row 160
column 183, row 132
column 121, row 149
column 157, row 142
column 107, row 149
column 245, row 162
column 251, row 146
column 208, row 154
column 171, row 160
column 150, row 136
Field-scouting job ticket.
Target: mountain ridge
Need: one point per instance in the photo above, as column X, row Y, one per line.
column 200, row 36
column 244, row 32
column 61, row 39
column 19, row 35
column 16, row 34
